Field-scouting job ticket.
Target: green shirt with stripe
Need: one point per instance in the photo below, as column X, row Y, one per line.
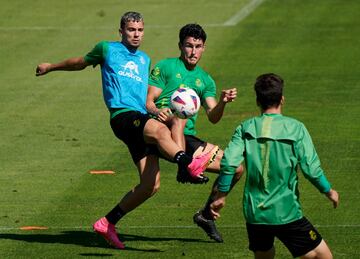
column 273, row 147
column 171, row 74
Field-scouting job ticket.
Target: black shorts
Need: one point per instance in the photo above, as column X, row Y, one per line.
column 300, row 236
column 192, row 144
column 129, row 127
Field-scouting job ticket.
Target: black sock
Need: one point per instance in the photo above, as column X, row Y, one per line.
column 182, row 159
column 115, row 214
column 206, row 212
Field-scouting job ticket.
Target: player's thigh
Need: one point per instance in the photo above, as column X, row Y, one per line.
column 261, row 237
column 196, row 146
column 321, row 251
column 155, row 130
column 215, row 165
column 265, row 254
column 300, row 237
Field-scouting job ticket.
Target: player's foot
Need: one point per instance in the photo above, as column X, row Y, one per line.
column 183, row 176
column 208, row 226
column 107, row 230
column 201, row 162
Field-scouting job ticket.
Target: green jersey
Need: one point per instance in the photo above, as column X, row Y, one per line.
column 170, row 74
column 272, row 146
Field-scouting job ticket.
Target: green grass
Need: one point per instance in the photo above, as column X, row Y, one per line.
column 55, row 129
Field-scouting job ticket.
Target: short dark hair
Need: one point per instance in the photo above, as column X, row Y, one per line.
column 269, row 90
column 130, row 17
column 192, row 30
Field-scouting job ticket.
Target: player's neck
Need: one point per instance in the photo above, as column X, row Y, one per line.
column 187, row 65
column 190, row 67
column 272, row 110
column 130, row 48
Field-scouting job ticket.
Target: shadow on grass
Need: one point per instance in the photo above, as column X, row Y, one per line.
column 90, row 239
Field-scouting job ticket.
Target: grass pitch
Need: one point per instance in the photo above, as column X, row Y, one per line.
column 55, row 129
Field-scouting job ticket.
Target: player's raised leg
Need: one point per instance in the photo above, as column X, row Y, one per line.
column 158, row 133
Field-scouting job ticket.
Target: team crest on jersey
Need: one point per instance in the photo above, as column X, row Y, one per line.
column 155, row 73
column 131, row 70
column 198, row 82
column 142, row 60
column 178, row 75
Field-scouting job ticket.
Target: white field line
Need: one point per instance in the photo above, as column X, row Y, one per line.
column 243, row 13
column 232, row 21
column 3, row 228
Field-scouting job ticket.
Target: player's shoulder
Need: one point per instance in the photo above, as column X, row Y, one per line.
column 101, row 44
column 164, row 66
column 166, row 62
column 291, row 120
column 201, row 70
column 248, row 123
column 205, row 75
column 282, row 127
column 143, row 54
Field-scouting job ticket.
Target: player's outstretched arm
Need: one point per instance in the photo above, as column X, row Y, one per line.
column 215, row 110
column 71, row 64
column 333, row 196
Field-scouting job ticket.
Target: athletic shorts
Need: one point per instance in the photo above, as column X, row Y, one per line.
column 300, row 236
column 192, row 144
column 129, row 127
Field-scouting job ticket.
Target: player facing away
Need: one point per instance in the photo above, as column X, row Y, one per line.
column 125, row 72
column 172, row 73
column 274, row 146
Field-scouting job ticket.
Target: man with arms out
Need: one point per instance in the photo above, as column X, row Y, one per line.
column 273, row 146
column 173, row 73
column 125, row 72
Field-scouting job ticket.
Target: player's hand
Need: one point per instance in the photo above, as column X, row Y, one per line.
column 333, row 196
column 228, row 95
column 216, row 206
column 42, row 69
column 165, row 115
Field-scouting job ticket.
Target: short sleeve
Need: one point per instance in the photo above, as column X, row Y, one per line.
column 97, row 54
column 158, row 75
column 210, row 89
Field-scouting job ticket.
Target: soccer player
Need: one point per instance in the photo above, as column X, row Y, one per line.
column 125, row 71
column 274, row 146
column 172, row 73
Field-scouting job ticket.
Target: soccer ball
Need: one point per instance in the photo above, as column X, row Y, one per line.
column 185, row 103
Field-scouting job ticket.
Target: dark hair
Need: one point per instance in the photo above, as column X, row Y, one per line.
column 269, row 90
column 130, row 17
column 192, row 30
